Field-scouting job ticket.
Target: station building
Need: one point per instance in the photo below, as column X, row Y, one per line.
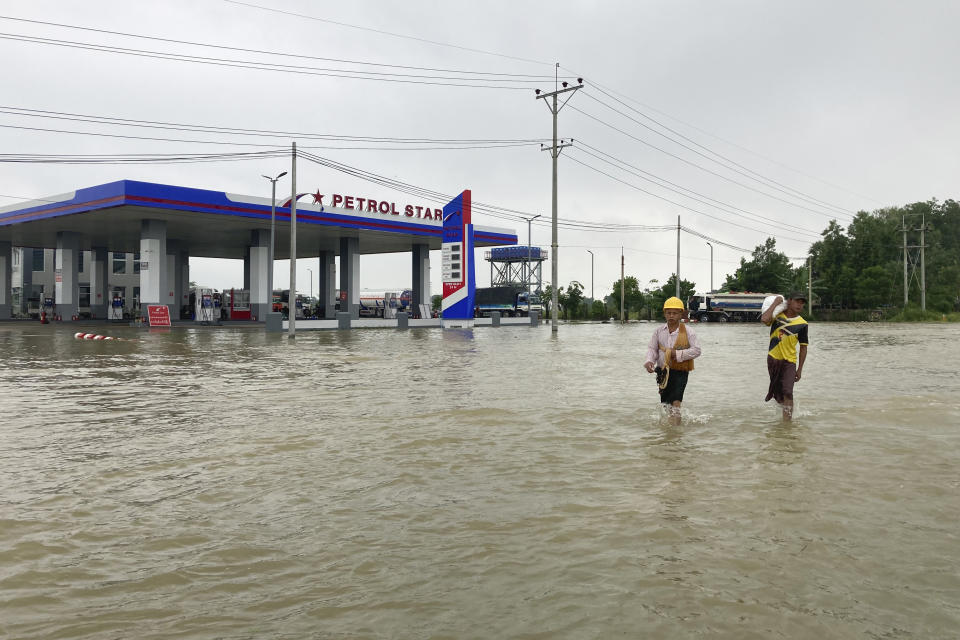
column 135, row 239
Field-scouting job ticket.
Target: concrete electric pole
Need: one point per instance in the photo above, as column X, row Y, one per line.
column 591, row 275
column 623, row 287
column 678, row 257
column 292, row 296
column 555, row 153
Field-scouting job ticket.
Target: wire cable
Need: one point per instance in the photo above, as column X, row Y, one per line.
column 682, row 206
column 244, row 131
column 387, row 33
column 696, row 197
column 270, row 53
column 736, row 168
column 291, row 69
column 693, row 164
column 725, row 141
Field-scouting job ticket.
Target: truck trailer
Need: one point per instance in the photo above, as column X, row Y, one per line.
column 732, row 306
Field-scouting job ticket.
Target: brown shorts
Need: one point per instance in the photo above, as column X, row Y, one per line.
column 782, row 376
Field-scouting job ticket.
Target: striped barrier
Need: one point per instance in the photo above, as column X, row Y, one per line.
column 80, row 335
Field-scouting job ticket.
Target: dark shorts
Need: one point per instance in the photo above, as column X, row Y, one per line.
column 782, row 376
column 673, row 392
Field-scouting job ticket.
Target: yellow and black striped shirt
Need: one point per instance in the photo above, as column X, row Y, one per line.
column 785, row 334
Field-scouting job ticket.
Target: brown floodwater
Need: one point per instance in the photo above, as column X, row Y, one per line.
column 494, row 483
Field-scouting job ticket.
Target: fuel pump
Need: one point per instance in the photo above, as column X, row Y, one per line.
column 218, row 308
column 116, row 306
column 390, row 304
column 205, row 309
column 47, row 311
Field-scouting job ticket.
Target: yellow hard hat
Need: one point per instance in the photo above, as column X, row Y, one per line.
column 673, row 303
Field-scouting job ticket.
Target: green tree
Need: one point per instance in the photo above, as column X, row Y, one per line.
column 572, row 304
column 546, row 299
column 873, row 287
column 435, row 302
column 598, row 310
column 829, row 257
column 669, row 289
column 633, row 297
column 767, row 270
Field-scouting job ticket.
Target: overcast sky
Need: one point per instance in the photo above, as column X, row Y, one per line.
column 756, row 118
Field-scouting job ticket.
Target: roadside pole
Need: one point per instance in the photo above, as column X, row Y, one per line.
column 555, row 153
column 292, row 296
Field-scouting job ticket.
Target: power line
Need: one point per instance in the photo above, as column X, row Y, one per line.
column 489, row 209
column 698, row 197
column 729, row 142
column 272, row 146
column 154, row 124
column 681, row 205
column 260, row 66
column 656, row 253
column 693, row 164
column 704, row 236
column 395, row 35
column 138, row 158
column 736, row 168
column 270, row 53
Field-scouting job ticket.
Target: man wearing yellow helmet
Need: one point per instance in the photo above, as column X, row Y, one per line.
column 670, row 355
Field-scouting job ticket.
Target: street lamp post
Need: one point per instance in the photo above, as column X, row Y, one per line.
column 273, row 215
column 529, row 254
column 711, row 266
column 591, row 274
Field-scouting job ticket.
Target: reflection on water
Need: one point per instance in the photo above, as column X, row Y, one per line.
column 475, row 483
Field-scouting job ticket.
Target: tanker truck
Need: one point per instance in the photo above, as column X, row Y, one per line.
column 731, row 306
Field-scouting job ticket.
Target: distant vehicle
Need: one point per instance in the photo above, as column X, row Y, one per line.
column 510, row 301
column 730, row 306
column 373, row 304
column 281, row 301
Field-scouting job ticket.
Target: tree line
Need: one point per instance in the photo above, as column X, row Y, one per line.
column 854, row 268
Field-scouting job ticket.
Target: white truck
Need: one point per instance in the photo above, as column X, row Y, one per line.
column 731, row 306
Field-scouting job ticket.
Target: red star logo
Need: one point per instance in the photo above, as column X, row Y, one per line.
column 318, row 198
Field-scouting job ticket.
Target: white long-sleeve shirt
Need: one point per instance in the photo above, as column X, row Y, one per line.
column 663, row 337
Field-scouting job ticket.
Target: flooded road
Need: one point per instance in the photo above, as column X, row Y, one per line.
column 494, row 483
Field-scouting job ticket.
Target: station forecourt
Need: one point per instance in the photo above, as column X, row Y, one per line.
column 169, row 224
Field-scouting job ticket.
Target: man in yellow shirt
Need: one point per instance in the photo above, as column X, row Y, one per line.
column 787, row 332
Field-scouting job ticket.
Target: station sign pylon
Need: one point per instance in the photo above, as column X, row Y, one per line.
column 459, row 279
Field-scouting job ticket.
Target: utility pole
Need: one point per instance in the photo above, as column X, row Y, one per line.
column 623, row 287
column 292, row 296
column 911, row 260
column 906, row 284
column 591, row 274
column 711, row 266
column 810, row 282
column 555, row 153
column 923, row 265
column 678, row 256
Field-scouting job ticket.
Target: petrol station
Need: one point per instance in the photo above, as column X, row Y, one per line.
column 169, row 224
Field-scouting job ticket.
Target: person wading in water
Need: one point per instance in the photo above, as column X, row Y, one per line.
column 787, row 331
column 670, row 355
